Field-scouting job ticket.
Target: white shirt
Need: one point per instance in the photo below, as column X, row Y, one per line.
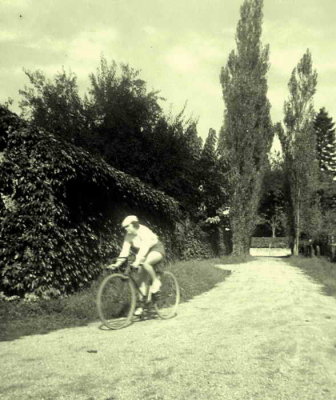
column 143, row 240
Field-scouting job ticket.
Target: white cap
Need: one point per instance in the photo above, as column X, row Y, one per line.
column 129, row 220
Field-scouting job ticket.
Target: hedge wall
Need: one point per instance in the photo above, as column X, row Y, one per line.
column 266, row 242
column 60, row 212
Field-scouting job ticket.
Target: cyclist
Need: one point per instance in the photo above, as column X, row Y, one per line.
column 150, row 251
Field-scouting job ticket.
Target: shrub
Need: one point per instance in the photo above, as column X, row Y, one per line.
column 194, row 243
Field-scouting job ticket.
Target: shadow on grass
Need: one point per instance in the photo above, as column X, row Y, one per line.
column 15, row 329
column 288, row 256
column 266, row 256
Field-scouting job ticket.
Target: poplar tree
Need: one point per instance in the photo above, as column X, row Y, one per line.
column 247, row 134
column 299, row 146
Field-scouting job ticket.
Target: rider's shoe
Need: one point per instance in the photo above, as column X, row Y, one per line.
column 138, row 312
column 155, row 286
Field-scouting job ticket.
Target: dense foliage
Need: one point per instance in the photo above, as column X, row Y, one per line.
column 247, row 132
column 121, row 121
column 55, row 106
column 61, row 211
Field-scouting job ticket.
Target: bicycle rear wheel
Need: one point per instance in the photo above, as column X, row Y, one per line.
column 116, row 301
column 169, row 298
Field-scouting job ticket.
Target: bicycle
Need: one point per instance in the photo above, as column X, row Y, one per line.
column 117, row 296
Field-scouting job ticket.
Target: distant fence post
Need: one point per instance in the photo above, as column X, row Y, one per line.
column 333, row 252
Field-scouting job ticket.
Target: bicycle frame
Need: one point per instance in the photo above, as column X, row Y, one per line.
column 163, row 305
column 128, row 273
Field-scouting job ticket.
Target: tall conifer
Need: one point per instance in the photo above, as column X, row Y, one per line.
column 325, row 141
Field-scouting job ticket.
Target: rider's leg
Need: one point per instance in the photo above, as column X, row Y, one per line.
column 153, row 257
column 143, row 290
column 141, row 279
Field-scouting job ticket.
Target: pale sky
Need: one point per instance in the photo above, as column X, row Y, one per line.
column 179, row 46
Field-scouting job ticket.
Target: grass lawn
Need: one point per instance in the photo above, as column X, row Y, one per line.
column 320, row 269
column 21, row 318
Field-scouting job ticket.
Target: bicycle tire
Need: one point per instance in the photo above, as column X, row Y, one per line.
column 116, row 301
column 169, row 299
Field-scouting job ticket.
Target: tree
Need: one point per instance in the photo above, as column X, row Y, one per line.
column 209, row 152
column 124, row 115
column 247, row 132
column 208, row 184
column 173, row 153
column 120, row 120
column 211, row 176
column 111, row 120
column 55, row 105
column 299, row 146
column 325, row 141
column 272, row 209
column 134, row 135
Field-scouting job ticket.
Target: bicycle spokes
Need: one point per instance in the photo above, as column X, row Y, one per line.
column 116, row 301
column 167, row 300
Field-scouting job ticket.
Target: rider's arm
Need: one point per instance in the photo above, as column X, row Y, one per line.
column 124, row 253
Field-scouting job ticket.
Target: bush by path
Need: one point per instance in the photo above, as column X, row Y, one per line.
column 19, row 318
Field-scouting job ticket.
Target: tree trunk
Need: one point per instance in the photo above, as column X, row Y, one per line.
column 224, row 241
column 297, row 226
column 296, row 244
column 240, row 243
column 221, row 244
column 273, row 231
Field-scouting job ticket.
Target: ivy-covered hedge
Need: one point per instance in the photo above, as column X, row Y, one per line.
column 60, row 213
column 59, row 205
column 193, row 242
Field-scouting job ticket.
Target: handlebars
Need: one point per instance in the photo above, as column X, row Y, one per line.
column 124, row 267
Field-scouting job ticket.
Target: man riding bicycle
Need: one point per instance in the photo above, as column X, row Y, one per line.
column 150, row 251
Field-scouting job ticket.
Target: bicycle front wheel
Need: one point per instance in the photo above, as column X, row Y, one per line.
column 116, row 300
column 169, row 298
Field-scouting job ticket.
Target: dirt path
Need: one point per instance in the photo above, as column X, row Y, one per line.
column 266, row 333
